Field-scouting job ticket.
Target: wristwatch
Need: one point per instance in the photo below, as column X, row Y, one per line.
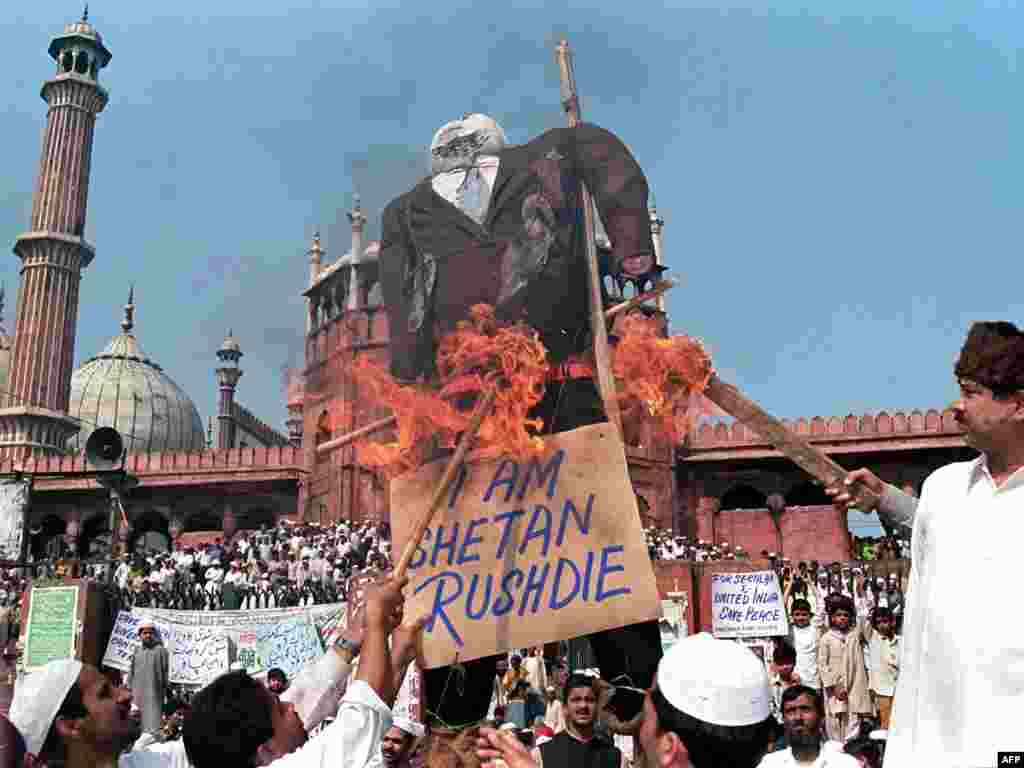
column 348, row 647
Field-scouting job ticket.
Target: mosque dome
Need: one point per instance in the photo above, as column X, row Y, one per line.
column 122, row 388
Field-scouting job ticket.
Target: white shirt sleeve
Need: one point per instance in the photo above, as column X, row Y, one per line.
column 352, row 740
column 317, row 689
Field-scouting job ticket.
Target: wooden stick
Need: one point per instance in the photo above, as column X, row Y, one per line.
column 812, row 460
column 636, row 301
column 369, row 429
column 598, row 330
column 443, row 484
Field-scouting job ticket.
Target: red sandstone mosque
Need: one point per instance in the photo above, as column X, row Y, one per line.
column 723, row 484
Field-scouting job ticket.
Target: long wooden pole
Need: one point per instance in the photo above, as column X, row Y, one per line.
column 812, row 460
column 598, row 330
column 643, row 298
column 482, row 409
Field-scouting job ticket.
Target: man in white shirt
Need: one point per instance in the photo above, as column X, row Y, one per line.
column 70, row 712
column 961, row 685
column 803, row 716
column 804, row 636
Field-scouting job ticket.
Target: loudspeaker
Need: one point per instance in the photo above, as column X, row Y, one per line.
column 104, row 448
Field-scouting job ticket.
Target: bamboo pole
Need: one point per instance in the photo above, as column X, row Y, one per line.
column 812, row 460
column 486, row 402
column 598, row 330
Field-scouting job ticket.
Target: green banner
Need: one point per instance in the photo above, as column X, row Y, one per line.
column 52, row 621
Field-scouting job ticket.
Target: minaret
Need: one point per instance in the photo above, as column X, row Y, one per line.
column 358, row 220
column 657, row 224
column 228, row 375
column 315, row 256
column 54, row 253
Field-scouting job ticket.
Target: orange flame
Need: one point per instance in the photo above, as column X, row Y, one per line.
column 421, row 413
column 478, row 356
column 660, row 379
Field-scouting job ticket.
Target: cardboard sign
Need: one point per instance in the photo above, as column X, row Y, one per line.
column 52, row 625
column 124, row 639
column 747, row 605
column 526, row 553
column 14, row 501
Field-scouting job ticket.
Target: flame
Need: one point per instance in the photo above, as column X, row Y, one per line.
column 421, row 413
column 478, row 356
column 660, row 379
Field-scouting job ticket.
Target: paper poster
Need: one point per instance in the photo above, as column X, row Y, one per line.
column 526, row 553
column 747, row 605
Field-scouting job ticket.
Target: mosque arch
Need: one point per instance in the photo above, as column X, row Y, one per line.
column 807, row 494
column 744, row 497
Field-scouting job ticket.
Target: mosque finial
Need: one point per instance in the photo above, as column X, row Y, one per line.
column 129, row 310
column 3, row 296
column 85, row 13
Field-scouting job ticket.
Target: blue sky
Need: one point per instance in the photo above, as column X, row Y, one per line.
column 840, row 180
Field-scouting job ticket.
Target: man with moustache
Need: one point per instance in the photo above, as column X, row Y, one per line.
column 709, row 708
column 149, row 677
column 803, row 714
column 579, row 744
column 961, row 684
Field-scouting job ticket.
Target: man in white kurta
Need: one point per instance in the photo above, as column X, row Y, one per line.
column 960, row 695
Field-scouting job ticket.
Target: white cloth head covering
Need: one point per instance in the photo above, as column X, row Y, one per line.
column 458, row 143
column 716, row 681
column 411, row 727
column 37, row 699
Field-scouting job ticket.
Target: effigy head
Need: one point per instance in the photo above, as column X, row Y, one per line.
column 458, row 143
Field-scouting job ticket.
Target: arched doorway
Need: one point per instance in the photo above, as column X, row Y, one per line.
column 744, row 497
column 48, row 538
column 95, row 539
column 150, row 533
column 807, row 494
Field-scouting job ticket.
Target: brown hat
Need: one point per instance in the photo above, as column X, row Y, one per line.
column 993, row 356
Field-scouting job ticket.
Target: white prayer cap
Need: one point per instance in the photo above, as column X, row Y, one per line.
column 37, row 699
column 146, row 623
column 508, row 727
column 237, row 666
column 716, row 681
column 411, row 727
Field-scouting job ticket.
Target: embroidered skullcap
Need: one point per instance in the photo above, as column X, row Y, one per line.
column 716, row 681
column 410, row 727
column 38, row 697
column 993, row 356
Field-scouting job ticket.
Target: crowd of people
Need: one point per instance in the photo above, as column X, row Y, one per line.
column 664, row 544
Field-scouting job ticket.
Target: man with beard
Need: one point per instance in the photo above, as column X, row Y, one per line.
column 502, row 225
column 149, row 678
column 709, row 708
column 398, row 744
column 277, row 681
column 579, row 744
column 803, row 715
column 69, row 713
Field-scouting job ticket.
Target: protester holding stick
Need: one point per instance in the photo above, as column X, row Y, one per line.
column 69, row 712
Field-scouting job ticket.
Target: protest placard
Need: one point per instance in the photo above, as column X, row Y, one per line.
column 525, row 553
column 250, row 636
column 198, row 655
column 124, row 639
column 52, row 625
column 288, row 645
column 673, row 623
column 747, row 605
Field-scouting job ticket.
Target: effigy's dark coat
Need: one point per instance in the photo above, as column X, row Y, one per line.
column 527, row 256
